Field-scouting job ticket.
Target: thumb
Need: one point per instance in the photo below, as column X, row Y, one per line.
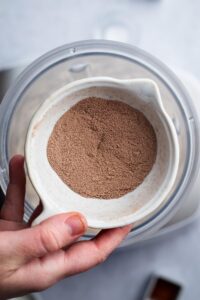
column 49, row 236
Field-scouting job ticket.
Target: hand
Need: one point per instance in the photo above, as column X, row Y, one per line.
column 33, row 259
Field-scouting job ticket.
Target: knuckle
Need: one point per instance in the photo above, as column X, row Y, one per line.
column 48, row 240
column 43, row 284
column 101, row 257
column 46, row 283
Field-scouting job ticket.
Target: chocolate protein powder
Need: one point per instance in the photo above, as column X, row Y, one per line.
column 102, row 148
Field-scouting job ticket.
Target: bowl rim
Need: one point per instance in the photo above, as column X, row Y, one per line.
column 57, row 97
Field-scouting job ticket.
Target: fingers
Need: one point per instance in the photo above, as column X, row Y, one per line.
column 80, row 257
column 49, row 236
column 85, row 255
column 13, row 207
column 11, row 226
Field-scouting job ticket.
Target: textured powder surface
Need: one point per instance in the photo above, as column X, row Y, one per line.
column 102, row 148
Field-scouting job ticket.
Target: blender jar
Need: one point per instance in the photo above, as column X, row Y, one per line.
column 99, row 58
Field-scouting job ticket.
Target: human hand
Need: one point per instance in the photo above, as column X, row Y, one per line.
column 33, row 259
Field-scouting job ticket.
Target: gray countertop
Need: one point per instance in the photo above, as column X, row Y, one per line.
column 168, row 29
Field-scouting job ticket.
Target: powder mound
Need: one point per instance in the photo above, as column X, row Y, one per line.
column 102, row 148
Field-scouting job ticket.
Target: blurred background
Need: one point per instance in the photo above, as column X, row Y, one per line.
column 168, row 29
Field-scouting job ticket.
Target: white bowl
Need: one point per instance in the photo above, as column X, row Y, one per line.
column 57, row 197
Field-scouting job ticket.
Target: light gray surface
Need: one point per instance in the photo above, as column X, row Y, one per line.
column 170, row 29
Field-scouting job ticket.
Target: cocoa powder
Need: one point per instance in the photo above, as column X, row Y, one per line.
column 102, row 148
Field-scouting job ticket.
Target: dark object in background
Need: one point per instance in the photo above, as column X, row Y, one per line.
column 2, row 197
column 6, row 78
column 160, row 288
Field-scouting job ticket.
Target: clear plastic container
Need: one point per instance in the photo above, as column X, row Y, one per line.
column 100, row 58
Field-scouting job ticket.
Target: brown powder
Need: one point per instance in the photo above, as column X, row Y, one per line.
column 102, row 148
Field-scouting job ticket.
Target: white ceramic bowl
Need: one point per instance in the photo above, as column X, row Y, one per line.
column 143, row 94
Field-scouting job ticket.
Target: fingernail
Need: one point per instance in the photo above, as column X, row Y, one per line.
column 75, row 225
